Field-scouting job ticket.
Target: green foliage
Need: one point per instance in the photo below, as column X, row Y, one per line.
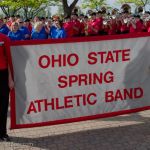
column 93, row 4
column 23, row 3
column 11, row 7
column 136, row 2
column 8, row 3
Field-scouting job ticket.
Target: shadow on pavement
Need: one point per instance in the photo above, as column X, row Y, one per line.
column 128, row 117
column 131, row 137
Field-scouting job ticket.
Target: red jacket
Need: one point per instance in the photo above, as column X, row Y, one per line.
column 4, row 46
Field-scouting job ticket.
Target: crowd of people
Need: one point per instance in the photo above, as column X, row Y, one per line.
column 76, row 25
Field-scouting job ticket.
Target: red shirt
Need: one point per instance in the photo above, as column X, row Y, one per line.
column 76, row 27
column 100, row 22
column 113, row 27
column 68, row 28
column 93, row 24
column 105, row 29
column 139, row 26
column 30, row 27
column 147, row 26
column 82, row 28
column 124, row 28
column 4, row 46
column 131, row 29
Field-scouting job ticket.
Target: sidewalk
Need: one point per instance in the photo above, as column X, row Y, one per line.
column 126, row 132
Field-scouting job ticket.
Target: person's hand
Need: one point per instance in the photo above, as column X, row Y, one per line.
column 10, row 80
column 27, row 36
column 11, row 84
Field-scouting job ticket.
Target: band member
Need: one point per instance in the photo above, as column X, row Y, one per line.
column 93, row 25
column 4, row 88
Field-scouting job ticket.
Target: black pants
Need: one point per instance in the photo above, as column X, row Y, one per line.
column 4, row 100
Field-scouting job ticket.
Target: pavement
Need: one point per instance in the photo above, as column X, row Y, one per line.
column 126, row 132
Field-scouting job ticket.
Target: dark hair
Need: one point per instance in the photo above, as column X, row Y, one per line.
column 99, row 12
column 93, row 14
column 60, row 23
column 75, row 10
column 18, row 16
column 136, row 16
column 12, row 16
column 81, row 15
column 85, row 17
column 75, row 14
column 42, row 18
column 6, row 17
column 103, row 10
column 140, row 9
column 27, row 20
column 147, row 12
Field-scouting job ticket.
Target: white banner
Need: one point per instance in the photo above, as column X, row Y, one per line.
column 65, row 82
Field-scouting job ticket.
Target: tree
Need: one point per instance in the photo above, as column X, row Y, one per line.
column 94, row 4
column 9, row 7
column 142, row 3
column 65, row 4
column 30, row 7
column 68, row 8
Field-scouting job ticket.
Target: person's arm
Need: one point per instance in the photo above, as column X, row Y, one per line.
column 7, row 52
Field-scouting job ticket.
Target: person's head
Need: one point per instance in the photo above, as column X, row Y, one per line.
column 55, row 18
column 140, row 9
column 17, row 17
column 147, row 13
column 42, row 19
column 74, row 16
column 86, row 19
column 115, row 11
column 36, row 19
column 14, row 27
column 81, row 16
column 5, row 19
column 12, row 18
column 49, row 22
column 99, row 14
column 103, row 10
column 20, row 22
column 126, row 9
column 67, row 19
column 93, row 16
column 89, row 12
column 58, row 24
column 26, row 22
column 38, row 26
column 75, row 10
column 137, row 17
